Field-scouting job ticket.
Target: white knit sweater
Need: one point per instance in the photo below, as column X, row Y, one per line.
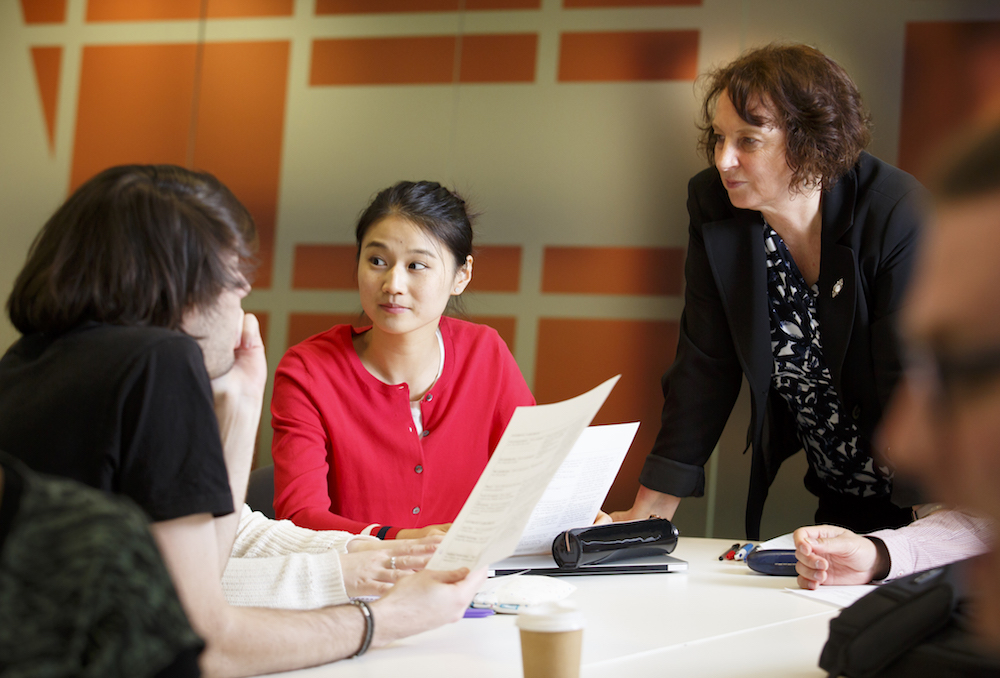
column 277, row 564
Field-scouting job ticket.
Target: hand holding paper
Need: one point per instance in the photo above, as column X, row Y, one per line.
column 532, row 448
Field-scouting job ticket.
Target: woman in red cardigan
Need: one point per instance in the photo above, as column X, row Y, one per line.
column 385, row 430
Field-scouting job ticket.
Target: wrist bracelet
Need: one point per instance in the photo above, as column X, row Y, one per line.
column 369, row 627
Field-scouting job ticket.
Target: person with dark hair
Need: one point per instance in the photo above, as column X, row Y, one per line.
column 944, row 424
column 140, row 375
column 947, row 400
column 385, row 430
column 801, row 245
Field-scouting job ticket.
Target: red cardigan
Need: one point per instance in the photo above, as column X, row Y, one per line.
column 346, row 453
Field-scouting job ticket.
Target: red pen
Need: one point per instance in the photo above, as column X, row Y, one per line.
column 728, row 555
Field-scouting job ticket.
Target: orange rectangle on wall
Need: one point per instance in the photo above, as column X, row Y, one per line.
column 43, row 11
column 48, row 65
column 325, row 267
column 628, row 56
column 498, row 58
column 951, row 81
column 577, row 4
column 502, row 4
column 167, row 10
column 505, row 326
column 424, row 60
column 613, row 270
column 574, row 355
column 325, row 7
column 241, row 122
column 142, row 10
column 229, row 9
column 496, row 268
column 134, row 106
column 383, row 61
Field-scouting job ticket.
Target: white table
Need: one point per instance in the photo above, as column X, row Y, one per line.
column 716, row 619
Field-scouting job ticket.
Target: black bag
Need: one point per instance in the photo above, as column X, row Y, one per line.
column 913, row 627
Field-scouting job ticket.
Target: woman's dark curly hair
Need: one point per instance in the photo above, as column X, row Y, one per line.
column 802, row 91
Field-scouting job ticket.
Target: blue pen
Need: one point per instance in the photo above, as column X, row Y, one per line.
column 744, row 550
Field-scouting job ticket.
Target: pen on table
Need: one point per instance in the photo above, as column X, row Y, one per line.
column 744, row 550
column 474, row 612
column 728, row 555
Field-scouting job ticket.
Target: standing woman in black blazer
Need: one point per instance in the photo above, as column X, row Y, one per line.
column 801, row 245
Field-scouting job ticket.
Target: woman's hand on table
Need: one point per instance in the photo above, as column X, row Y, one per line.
column 649, row 503
column 834, row 556
column 419, row 533
column 371, row 566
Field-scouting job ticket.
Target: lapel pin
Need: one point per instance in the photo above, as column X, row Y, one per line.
column 837, row 286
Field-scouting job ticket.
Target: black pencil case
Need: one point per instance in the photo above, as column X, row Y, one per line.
column 614, row 541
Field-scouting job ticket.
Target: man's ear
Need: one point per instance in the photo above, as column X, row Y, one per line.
column 463, row 276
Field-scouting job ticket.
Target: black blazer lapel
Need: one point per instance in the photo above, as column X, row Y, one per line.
column 735, row 249
column 838, row 275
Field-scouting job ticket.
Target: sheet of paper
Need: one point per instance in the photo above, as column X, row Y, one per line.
column 785, row 541
column 575, row 494
column 533, row 446
column 838, row 596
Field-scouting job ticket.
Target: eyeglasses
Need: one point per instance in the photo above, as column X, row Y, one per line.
column 950, row 377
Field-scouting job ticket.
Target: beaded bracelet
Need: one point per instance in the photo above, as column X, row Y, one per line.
column 369, row 627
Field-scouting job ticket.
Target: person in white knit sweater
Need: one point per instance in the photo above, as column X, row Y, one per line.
column 275, row 563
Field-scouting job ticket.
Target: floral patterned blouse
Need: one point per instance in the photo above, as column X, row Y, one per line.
column 835, row 450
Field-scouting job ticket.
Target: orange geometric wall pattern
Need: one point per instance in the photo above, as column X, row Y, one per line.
column 48, row 63
column 628, row 56
column 496, row 268
column 424, row 60
column 324, row 7
column 167, row 10
column 219, row 105
column 325, row 267
column 43, row 11
column 951, row 79
column 614, row 270
column 222, row 112
column 575, row 354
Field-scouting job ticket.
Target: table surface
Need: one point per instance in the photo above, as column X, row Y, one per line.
column 716, row 619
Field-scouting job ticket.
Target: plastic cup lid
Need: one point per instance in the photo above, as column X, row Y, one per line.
column 560, row 615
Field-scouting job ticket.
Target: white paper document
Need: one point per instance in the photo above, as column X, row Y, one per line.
column 533, row 446
column 838, row 596
column 783, row 542
column 575, row 494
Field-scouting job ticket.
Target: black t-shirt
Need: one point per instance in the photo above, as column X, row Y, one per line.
column 127, row 410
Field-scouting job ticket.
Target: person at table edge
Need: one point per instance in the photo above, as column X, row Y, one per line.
column 801, row 246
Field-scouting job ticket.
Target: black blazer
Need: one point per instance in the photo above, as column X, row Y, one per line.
column 871, row 219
